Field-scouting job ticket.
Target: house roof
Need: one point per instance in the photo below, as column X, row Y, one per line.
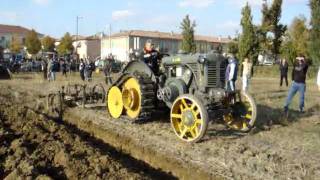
column 14, row 29
column 167, row 35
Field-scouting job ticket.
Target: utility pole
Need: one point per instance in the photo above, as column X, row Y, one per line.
column 77, row 26
column 110, row 39
column 77, row 32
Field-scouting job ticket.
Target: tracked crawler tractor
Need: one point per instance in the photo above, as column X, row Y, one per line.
column 192, row 86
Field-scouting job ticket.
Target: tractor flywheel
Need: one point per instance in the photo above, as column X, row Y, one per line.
column 131, row 97
column 189, row 118
column 115, row 103
column 244, row 113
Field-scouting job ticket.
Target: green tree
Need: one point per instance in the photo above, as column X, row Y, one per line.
column 299, row 35
column 277, row 29
column 314, row 45
column 247, row 38
column 287, row 49
column 33, row 43
column 264, row 28
column 48, row 44
column 15, row 45
column 233, row 47
column 65, row 46
column 188, row 43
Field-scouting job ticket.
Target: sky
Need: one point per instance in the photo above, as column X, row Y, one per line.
column 213, row 17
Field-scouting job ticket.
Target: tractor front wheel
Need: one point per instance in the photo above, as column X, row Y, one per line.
column 114, row 102
column 243, row 113
column 189, row 118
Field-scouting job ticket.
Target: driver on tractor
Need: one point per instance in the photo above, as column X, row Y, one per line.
column 151, row 56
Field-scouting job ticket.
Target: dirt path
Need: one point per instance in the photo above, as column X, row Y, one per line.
column 35, row 146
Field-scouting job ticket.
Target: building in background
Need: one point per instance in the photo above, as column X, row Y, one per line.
column 9, row 32
column 120, row 44
column 89, row 47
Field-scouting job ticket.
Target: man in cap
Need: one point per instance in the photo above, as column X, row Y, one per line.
column 299, row 74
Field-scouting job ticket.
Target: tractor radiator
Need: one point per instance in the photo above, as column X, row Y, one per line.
column 212, row 75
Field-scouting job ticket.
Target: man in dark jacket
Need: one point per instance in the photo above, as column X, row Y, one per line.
column 299, row 74
column 231, row 73
column 283, row 72
column 151, row 56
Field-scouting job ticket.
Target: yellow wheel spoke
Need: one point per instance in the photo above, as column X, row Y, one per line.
column 198, row 121
column 196, row 130
column 248, row 116
column 182, row 108
column 193, row 106
column 179, row 116
column 193, row 134
column 184, row 103
column 196, row 113
column 183, row 132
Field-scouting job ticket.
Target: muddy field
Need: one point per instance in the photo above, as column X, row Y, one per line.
column 86, row 143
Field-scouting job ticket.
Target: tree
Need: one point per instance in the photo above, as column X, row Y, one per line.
column 277, row 29
column 188, row 44
column 48, row 44
column 264, row 28
column 33, row 43
column 15, row 45
column 287, row 49
column 314, row 45
column 233, row 47
column 65, row 46
column 247, row 38
column 299, row 35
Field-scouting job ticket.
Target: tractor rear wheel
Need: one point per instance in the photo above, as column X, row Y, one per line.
column 138, row 96
column 189, row 118
column 243, row 114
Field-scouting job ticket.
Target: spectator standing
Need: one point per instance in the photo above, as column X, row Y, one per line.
column 246, row 73
column 64, row 68
column 81, row 69
column 107, row 69
column 44, row 66
column 54, row 68
column 49, row 69
column 86, row 71
column 91, row 68
column 283, row 71
column 299, row 74
column 318, row 79
column 231, row 73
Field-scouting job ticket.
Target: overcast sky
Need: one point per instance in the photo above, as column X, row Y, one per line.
column 213, row 17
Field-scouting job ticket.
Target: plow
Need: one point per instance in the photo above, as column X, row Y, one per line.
column 81, row 95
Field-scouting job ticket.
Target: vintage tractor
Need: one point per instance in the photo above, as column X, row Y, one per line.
column 192, row 86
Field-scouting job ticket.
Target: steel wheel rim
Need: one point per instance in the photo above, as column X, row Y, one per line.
column 131, row 95
column 115, row 104
column 181, row 111
column 242, row 118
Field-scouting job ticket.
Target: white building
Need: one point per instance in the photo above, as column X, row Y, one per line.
column 88, row 47
column 119, row 44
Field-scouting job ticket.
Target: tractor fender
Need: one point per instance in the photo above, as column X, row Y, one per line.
column 138, row 66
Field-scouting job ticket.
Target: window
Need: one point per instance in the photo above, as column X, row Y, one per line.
column 136, row 43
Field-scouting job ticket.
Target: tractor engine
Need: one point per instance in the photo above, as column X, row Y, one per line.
column 202, row 75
